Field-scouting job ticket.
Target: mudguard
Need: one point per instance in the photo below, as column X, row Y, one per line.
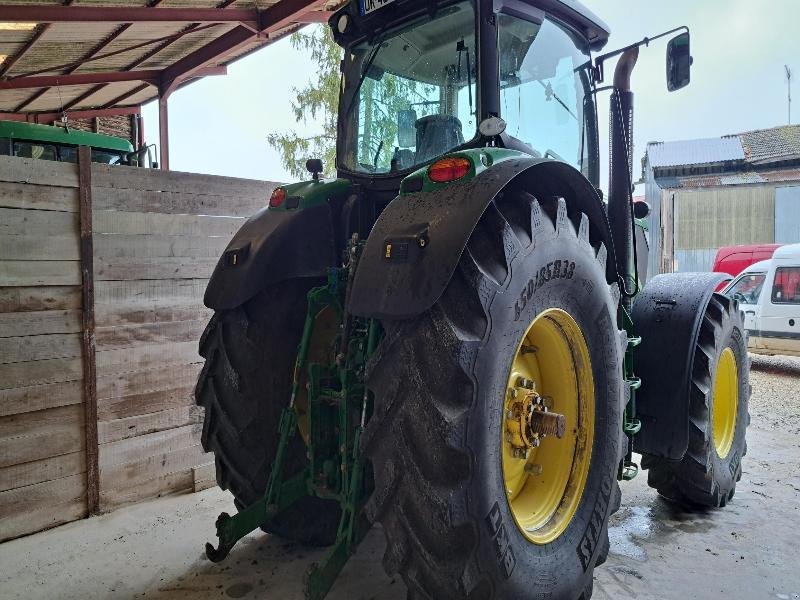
column 667, row 314
column 272, row 246
column 428, row 231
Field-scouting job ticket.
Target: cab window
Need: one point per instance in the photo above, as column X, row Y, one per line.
column 747, row 288
column 786, row 287
column 35, row 150
column 543, row 82
column 105, row 157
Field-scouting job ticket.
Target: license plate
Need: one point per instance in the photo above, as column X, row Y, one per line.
column 368, row 6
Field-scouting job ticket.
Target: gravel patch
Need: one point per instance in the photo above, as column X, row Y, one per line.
column 775, row 403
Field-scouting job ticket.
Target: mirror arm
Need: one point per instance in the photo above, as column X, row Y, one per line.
column 597, row 69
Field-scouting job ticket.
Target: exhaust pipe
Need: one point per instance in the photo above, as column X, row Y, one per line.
column 620, row 180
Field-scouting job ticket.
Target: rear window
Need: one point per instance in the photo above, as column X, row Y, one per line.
column 109, row 158
column 786, row 287
column 35, row 150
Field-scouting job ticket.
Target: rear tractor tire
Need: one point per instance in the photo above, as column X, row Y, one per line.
column 718, row 415
column 471, row 507
column 244, row 385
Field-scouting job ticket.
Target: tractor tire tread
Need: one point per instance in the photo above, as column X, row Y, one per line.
column 421, row 375
column 689, row 481
column 243, row 401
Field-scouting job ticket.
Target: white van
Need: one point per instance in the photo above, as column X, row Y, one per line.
column 769, row 294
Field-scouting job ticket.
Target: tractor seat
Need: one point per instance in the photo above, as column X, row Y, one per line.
column 436, row 134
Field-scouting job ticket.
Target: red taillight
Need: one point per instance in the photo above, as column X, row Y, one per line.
column 277, row 197
column 449, row 169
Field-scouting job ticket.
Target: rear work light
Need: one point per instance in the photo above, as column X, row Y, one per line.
column 449, row 169
column 277, row 197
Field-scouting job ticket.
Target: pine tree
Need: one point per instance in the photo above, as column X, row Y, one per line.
column 318, row 102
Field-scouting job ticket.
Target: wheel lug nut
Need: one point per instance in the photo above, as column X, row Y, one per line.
column 525, row 383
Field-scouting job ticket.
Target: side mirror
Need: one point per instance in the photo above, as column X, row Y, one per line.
column 679, row 62
column 407, row 128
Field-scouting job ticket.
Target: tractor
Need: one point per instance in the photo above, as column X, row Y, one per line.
column 455, row 337
column 60, row 143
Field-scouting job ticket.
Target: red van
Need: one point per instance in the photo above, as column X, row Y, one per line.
column 735, row 259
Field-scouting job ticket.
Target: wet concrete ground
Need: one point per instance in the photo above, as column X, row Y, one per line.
column 747, row 550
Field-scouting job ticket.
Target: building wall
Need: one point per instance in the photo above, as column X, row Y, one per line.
column 787, row 214
column 705, row 219
column 652, row 195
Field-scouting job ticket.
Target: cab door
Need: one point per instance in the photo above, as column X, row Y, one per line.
column 780, row 317
column 747, row 289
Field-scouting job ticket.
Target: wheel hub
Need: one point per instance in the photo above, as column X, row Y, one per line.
column 548, row 426
column 529, row 420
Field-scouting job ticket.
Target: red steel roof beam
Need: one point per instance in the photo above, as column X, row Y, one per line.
column 151, row 76
column 285, row 13
column 275, row 17
column 49, row 117
column 319, row 16
column 133, row 14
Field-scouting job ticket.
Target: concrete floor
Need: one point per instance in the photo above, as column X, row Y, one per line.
column 155, row 550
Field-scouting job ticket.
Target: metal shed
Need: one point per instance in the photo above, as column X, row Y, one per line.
column 713, row 192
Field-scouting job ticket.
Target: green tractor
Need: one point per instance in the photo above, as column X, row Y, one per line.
column 453, row 338
column 60, row 143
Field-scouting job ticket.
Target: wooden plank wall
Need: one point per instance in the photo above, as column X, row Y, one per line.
column 42, row 450
column 156, row 236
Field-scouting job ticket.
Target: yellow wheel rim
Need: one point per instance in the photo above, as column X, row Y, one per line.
column 545, row 475
column 725, row 403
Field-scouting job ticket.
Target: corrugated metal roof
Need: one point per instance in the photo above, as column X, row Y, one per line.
column 42, row 64
column 699, row 181
column 694, row 152
column 741, row 178
column 711, row 180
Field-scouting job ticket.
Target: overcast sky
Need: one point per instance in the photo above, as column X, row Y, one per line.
column 219, row 125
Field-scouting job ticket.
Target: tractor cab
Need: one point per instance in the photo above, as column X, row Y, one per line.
column 419, row 78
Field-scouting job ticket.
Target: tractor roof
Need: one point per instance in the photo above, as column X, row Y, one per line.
column 575, row 13
column 571, row 12
column 59, row 135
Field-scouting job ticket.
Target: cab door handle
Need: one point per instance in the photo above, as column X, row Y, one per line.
column 750, row 312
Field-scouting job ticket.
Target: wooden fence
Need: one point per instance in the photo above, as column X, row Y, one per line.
column 102, row 274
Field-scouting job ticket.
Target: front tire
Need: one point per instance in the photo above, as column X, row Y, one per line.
column 718, row 415
column 436, row 440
